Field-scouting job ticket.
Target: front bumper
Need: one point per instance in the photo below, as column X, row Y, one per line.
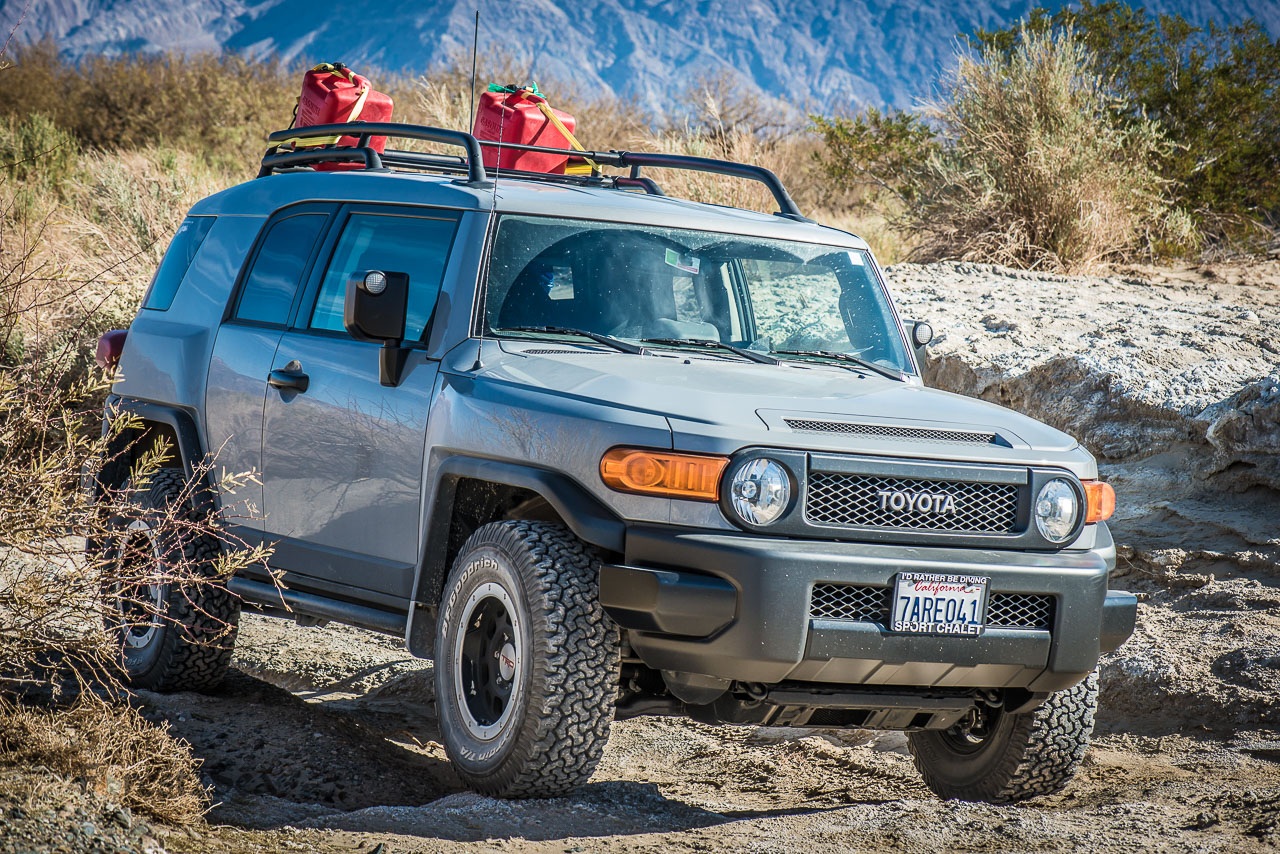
column 737, row 607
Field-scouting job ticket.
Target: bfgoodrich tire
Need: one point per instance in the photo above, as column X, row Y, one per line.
column 1002, row 758
column 175, row 630
column 526, row 661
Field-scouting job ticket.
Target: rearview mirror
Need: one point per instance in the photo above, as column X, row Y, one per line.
column 921, row 333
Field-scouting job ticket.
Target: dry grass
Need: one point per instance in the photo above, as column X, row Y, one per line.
column 110, row 750
column 76, row 262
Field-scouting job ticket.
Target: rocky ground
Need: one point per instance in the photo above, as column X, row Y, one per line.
column 326, row 739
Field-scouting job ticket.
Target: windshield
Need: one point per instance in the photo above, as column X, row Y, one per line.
column 643, row 283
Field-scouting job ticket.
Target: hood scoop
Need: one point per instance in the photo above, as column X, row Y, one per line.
column 547, row 351
column 885, row 431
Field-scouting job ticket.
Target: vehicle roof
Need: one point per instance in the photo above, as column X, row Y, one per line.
column 262, row 196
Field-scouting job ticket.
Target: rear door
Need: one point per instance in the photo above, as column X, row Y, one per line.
column 246, row 344
column 342, row 460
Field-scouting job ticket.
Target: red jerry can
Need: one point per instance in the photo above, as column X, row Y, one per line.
column 333, row 94
column 519, row 115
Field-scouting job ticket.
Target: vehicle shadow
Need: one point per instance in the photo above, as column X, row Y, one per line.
column 612, row 808
column 373, row 764
column 271, row 758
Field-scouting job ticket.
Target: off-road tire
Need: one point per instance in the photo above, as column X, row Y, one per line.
column 564, row 659
column 1023, row 756
column 191, row 644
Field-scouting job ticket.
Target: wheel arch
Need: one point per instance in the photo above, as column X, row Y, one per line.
column 157, row 424
column 468, row 492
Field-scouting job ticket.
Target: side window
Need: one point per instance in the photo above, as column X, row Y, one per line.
column 417, row 245
column 277, row 270
column 176, row 261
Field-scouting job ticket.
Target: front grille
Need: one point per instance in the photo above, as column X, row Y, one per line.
column 851, row 500
column 862, row 603
column 1020, row 611
column 851, row 602
column 908, row 433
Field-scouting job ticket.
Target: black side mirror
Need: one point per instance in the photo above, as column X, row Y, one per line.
column 921, row 335
column 375, row 309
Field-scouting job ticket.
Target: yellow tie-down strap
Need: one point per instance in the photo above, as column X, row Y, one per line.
column 588, row 168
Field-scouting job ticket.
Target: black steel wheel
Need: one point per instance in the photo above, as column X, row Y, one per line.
column 526, row 661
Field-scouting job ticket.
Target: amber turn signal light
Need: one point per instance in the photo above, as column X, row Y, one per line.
column 1101, row 499
column 663, row 473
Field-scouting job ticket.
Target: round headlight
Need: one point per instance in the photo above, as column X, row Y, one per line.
column 760, row 491
column 1057, row 510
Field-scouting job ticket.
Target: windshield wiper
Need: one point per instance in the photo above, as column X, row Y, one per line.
column 715, row 345
column 843, row 357
column 607, row 340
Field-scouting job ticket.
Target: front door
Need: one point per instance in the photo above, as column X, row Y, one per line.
column 343, row 455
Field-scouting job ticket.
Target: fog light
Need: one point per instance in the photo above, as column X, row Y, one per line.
column 1057, row 509
column 760, row 491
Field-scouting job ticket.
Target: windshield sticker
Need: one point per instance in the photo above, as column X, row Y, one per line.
column 856, row 258
column 688, row 263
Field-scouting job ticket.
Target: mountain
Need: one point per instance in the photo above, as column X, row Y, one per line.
column 821, row 55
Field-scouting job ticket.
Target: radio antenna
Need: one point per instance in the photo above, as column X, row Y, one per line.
column 475, row 49
column 490, row 239
column 491, row 228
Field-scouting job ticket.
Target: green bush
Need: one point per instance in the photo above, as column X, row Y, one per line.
column 871, row 155
column 221, row 106
column 1215, row 91
column 34, row 149
column 37, row 160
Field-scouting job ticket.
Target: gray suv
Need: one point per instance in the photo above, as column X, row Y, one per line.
column 599, row 452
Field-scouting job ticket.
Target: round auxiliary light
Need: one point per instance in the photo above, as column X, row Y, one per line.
column 375, row 282
column 1057, row 509
column 760, row 491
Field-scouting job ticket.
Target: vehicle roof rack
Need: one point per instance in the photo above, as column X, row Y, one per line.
column 472, row 164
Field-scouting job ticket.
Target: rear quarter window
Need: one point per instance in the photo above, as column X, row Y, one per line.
column 177, row 260
column 278, row 269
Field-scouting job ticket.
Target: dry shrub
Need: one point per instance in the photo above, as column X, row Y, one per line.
column 56, row 596
column 112, row 751
column 221, row 105
column 1039, row 171
column 124, row 207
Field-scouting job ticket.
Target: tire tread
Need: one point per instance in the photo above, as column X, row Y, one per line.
column 202, row 618
column 1043, row 752
column 575, row 657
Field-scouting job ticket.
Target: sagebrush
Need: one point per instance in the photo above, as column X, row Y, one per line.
column 1036, row 169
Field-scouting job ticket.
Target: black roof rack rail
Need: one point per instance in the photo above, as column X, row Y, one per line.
column 637, row 159
column 473, row 163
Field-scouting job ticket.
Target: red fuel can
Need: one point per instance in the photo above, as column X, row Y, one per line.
column 332, row 94
column 516, row 116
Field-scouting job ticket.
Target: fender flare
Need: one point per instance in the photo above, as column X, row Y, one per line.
column 189, row 448
column 586, row 516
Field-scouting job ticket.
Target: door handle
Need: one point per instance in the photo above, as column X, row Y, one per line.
column 289, row 378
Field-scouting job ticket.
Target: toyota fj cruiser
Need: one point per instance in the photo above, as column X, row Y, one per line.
column 600, row 452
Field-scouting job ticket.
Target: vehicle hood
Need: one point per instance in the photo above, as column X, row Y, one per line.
column 720, row 405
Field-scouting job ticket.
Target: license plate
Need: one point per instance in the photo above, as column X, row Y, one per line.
column 925, row 603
